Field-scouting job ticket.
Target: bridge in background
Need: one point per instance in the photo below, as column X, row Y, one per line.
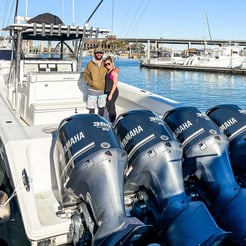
column 188, row 42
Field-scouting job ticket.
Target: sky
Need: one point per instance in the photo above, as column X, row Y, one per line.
column 184, row 19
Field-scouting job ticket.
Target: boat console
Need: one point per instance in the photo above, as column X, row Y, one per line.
column 46, row 79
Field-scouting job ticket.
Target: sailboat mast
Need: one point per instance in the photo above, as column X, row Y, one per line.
column 206, row 16
column 112, row 29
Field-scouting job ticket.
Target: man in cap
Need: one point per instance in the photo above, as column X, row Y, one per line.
column 94, row 75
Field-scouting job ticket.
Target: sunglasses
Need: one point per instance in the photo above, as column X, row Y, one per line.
column 107, row 64
column 99, row 52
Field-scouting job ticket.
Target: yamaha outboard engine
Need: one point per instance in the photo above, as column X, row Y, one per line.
column 90, row 164
column 207, row 165
column 232, row 122
column 154, row 186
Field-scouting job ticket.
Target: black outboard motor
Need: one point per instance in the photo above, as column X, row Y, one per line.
column 90, row 164
column 232, row 122
column 154, row 184
column 207, row 163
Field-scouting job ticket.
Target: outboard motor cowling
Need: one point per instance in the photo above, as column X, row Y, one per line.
column 206, row 161
column 154, row 175
column 231, row 120
column 90, row 164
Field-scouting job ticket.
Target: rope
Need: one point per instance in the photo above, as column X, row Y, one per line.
column 139, row 13
column 15, row 192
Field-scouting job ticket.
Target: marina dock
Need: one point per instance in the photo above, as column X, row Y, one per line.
column 233, row 71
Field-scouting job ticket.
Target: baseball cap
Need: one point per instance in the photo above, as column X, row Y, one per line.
column 98, row 50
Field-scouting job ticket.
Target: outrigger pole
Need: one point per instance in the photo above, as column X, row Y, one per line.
column 82, row 41
column 94, row 12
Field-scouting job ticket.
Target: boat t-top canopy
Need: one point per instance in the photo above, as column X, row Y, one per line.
column 50, row 27
column 36, row 31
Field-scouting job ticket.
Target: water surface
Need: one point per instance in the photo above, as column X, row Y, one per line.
column 199, row 89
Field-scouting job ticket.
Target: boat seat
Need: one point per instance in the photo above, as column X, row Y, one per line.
column 54, row 110
column 56, row 104
column 52, row 95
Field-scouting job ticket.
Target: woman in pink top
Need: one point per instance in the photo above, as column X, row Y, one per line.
column 111, row 81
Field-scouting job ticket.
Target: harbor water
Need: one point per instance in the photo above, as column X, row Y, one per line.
column 202, row 90
column 198, row 89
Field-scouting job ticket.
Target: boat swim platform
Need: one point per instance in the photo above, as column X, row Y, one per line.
column 231, row 71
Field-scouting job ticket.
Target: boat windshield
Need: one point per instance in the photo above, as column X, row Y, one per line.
column 46, row 49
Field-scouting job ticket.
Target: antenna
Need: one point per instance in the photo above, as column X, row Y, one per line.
column 26, row 8
column 63, row 10
column 16, row 10
column 73, row 14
